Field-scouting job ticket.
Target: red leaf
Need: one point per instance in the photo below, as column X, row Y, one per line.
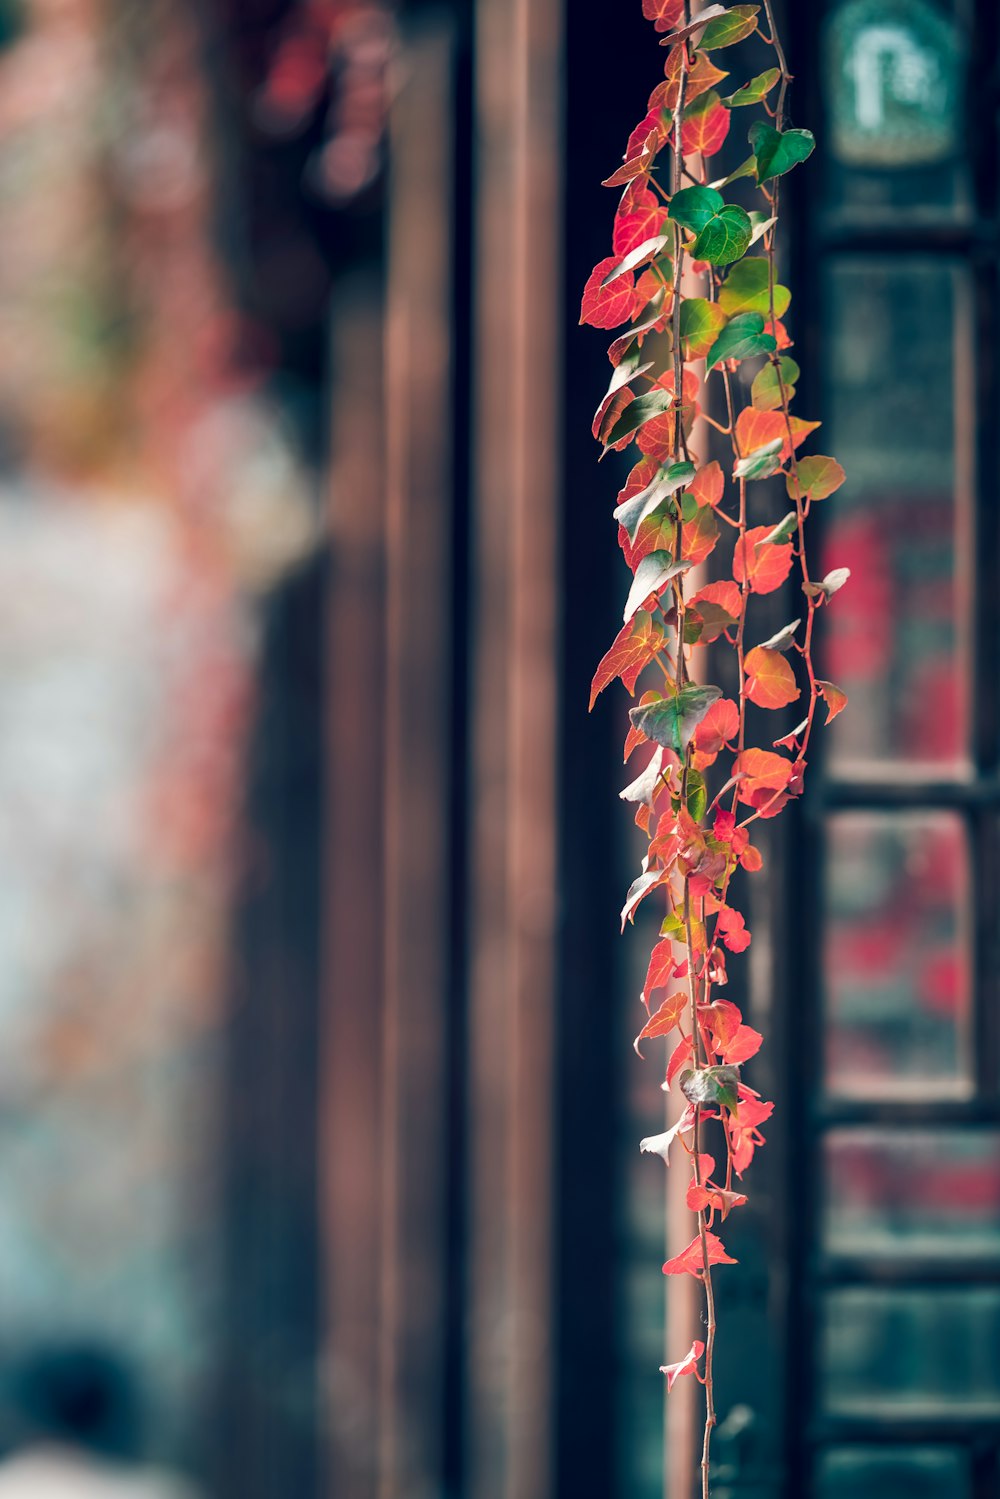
column 765, row 564
column 662, row 966
column 656, row 437
column 731, row 927
column 691, row 1260
column 751, row 859
column 723, row 1019
column 681, row 1055
column 765, row 779
column 705, row 126
column 687, row 1365
column 744, row 1045
column 770, row 681
column 634, row 647
column 709, row 1196
column 708, row 484
column 640, row 216
column 647, row 287
column 663, row 1021
column 701, row 75
column 755, row 429
column 834, row 697
column 663, row 13
column 699, row 535
column 607, row 306
column 608, row 413
column 720, row 724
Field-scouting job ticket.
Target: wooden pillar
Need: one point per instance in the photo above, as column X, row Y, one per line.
column 512, row 805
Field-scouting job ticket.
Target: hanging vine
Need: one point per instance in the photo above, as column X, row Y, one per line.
column 681, row 357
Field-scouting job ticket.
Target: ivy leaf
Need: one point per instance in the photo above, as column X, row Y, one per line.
column 765, row 392
column 761, row 463
column 683, row 32
column 643, row 409
column 720, row 725
column 700, row 76
column 764, row 779
column 686, row 1365
column 708, row 1085
column 610, row 410
column 691, row 1261
column 747, row 289
column 639, row 889
column 660, row 1144
column 705, row 125
column 634, row 511
column 662, row 966
column 694, row 207
column 643, row 789
column 755, row 429
column 757, row 89
column 697, row 795
column 760, row 224
column 701, row 321
column 777, row 151
column 769, row 681
column 699, row 535
column 725, row 237
column 664, row 1020
column 652, row 574
column 783, row 637
column 679, row 1057
column 663, row 13
column 606, row 306
column 764, row 565
column 746, row 168
column 818, row 477
column 651, row 314
column 831, row 584
column 745, row 1044
column 784, row 530
column 834, row 697
column 724, row 31
column 638, row 165
column 633, row 648
column 648, row 250
column 741, row 338
column 673, row 721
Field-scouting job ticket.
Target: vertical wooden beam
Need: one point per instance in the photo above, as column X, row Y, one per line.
column 514, row 576
column 418, row 748
column 350, row 1130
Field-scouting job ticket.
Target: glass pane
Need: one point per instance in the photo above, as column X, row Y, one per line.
column 909, row 1352
column 895, row 953
column 892, row 1473
column 895, row 640
column 893, row 71
column 923, row 1191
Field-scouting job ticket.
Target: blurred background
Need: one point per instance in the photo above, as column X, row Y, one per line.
column 318, row 1109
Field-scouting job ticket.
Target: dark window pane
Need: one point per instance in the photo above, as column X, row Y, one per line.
column 894, row 71
column 892, row 1473
column 911, row 1352
column 921, row 1191
column 895, row 953
column 895, row 410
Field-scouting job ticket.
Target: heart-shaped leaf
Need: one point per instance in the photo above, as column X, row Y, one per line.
column 815, row 478
column 761, row 463
column 701, row 322
column 743, row 337
column 635, row 510
column 769, row 681
column 708, row 1085
column 758, row 88
column 654, row 571
column 765, row 392
column 747, row 289
column 725, row 237
column 648, row 250
column 673, row 720
column 777, row 151
column 643, row 409
column 723, row 31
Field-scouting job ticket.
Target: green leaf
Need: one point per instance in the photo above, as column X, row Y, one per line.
column 758, row 88
column 634, row 511
column 762, row 462
column 701, row 322
column 746, row 168
column 741, row 338
column 817, row 477
column 784, row 637
column 777, row 151
column 638, row 412
column 783, row 531
column 746, row 289
column 648, row 250
column 707, row 1085
column 654, row 571
column 765, row 392
column 724, row 238
column 738, row 22
column 760, row 224
column 694, row 207
column 672, row 721
column 697, row 795
column 672, row 926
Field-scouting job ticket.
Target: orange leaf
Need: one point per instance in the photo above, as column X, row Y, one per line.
column 701, row 75
column 699, row 535
column 681, row 1055
column 834, row 697
column 708, row 484
column 745, row 1044
column 770, row 681
column 765, row 777
column 720, row 724
column 607, row 306
column 663, row 1021
column 662, row 965
column 634, row 647
column 765, row 564
column 705, row 126
column 663, row 13
column 691, row 1261
column 755, row 429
